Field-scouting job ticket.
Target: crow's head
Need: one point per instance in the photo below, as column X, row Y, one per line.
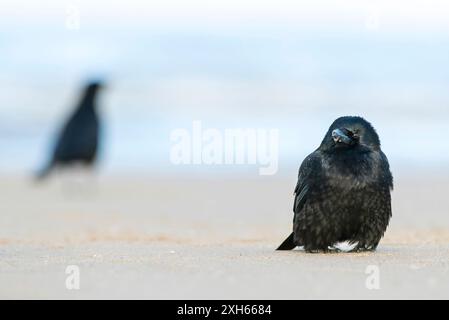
column 94, row 86
column 350, row 132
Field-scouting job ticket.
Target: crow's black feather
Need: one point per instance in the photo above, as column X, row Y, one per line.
column 343, row 190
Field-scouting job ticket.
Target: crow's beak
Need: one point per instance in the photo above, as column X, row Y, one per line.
column 340, row 136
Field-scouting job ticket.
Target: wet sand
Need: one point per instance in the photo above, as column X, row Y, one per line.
column 141, row 237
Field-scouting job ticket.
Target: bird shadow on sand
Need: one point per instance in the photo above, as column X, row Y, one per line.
column 340, row 248
column 78, row 182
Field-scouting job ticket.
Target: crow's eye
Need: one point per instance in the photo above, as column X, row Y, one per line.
column 353, row 133
column 349, row 132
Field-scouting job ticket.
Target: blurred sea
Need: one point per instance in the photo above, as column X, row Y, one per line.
column 295, row 78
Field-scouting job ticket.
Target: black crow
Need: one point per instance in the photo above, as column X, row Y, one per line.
column 343, row 191
column 79, row 138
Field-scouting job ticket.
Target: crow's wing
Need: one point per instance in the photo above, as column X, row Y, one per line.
column 308, row 171
column 79, row 138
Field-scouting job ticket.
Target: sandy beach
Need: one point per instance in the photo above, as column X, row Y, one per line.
column 140, row 237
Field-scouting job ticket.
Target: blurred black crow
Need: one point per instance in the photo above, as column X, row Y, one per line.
column 343, row 191
column 79, row 138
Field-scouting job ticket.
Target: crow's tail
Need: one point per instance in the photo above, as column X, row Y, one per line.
column 288, row 243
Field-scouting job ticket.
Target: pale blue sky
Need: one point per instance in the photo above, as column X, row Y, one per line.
column 292, row 65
